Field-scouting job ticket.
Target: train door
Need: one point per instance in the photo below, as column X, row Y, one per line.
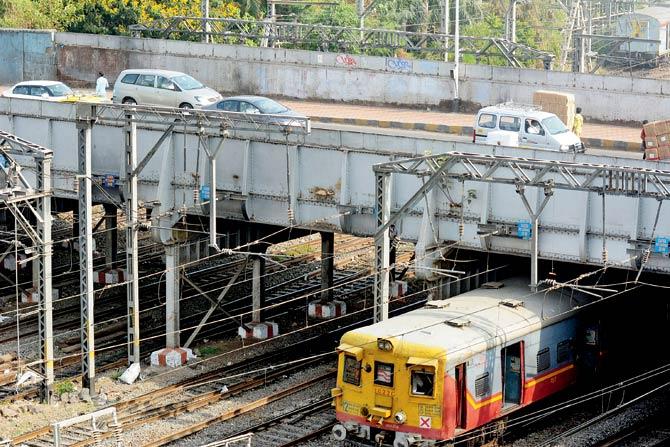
column 512, row 360
column 461, row 398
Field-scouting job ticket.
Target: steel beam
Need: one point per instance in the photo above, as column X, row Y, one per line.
column 84, row 125
column 130, row 194
column 111, row 235
column 382, row 246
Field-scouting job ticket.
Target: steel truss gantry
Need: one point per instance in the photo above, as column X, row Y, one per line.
column 16, row 191
column 550, row 175
column 205, row 124
column 338, row 38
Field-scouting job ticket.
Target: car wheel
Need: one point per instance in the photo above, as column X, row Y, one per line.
column 185, row 105
column 129, row 101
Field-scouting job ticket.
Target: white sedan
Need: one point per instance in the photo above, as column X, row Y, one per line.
column 48, row 91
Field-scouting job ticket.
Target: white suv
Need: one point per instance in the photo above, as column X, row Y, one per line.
column 162, row 87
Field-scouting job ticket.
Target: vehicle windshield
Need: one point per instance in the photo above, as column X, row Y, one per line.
column 554, row 125
column 60, row 90
column 185, row 82
column 269, row 106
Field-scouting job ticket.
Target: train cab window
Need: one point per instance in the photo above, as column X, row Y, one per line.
column 352, row 370
column 564, row 351
column 482, row 385
column 543, row 359
column 487, row 120
column 422, row 383
column 384, row 374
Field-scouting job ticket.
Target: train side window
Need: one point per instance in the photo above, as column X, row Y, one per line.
column 564, row 351
column 543, row 359
column 487, row 120
column 384, row 374
column 422, row 383
column 352, row 370
column 482, row 385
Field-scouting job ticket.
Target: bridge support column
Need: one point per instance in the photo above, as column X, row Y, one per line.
column 258, row 329
column 326, row 307
column 173, row 354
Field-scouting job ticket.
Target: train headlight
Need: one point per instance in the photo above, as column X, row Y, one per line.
column 400, row 417
column 384, row 345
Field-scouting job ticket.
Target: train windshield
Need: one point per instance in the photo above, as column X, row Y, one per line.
column 352, row 370
column 422, row 383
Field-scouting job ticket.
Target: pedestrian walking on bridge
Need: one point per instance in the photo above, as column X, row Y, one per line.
column 101, row 85
column 643, row 137
column 578, row 123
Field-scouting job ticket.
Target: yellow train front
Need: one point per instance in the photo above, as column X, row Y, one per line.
column 455, row 365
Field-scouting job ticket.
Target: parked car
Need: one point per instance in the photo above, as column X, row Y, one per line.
column 162, row 87
column 258, row 105
column 48, row 91
column 524, row 126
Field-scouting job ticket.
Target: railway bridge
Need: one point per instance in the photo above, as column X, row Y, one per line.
column 266, row 176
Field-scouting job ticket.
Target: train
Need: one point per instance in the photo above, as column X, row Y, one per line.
column 651, row 23
column 460, row 366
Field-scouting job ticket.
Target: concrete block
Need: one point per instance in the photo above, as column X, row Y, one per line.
column 648, row 86
column 331, row 309
column 259, row 331
column 431, row 68
column 501, row 74
column 31, row 296
column 225, row 51
column 172, row 357
column 618, row 83
column 379, row 63
column 397, row 289
column 589, row 81
column 109, row 276
column 248, row 53
column 271, row 54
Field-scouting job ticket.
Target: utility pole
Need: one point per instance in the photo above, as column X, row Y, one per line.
column 457, row 49
column 446, row 30
column 204, row 7
column 510, row 22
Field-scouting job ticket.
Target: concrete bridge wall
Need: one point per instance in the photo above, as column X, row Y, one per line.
column 325, row 76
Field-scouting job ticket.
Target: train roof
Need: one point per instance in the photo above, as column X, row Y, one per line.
column 469, row 322
column 660, row 13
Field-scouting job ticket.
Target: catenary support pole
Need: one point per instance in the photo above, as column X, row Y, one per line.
column 111, row 235
column 257, row 288
column 382, row 245
column 45, row 298
column 172, row 295
column 84, row 125
column 132, row 261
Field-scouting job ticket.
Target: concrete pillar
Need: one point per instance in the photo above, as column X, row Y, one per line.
column 258, row 288
column 111, row 235
column 327, row 265
column 172, row 295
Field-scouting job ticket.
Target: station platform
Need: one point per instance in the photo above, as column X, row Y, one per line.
column 605, row 136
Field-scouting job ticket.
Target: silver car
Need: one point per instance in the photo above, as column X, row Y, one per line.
column 162, row 87
column 258, row 105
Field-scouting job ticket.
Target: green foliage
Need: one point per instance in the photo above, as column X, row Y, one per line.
column 344, row 14
column 63, row 387
column 116, row 374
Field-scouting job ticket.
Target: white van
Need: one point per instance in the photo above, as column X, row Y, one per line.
column 163, row 88
column 524, row 126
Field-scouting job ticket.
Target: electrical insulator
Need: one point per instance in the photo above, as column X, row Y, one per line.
column 195, row 196
column 291, row 215
column 461, row 229
column 605, row 256
column 645, row 256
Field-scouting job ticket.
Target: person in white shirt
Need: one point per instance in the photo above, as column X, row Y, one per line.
column 101, row 85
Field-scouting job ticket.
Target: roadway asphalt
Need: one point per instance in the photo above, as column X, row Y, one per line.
column 601, row 139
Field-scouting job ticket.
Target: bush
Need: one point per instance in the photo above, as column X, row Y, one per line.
column 63, row 387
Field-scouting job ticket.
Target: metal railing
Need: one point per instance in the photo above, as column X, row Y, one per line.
column 335, row 38
column 234, row 441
